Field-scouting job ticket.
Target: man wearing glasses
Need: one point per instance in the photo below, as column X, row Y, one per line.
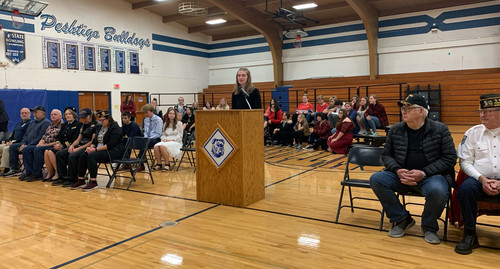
column 479, row 154
column 419, row 156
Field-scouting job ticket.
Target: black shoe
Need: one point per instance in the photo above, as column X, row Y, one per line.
column 468, row 243
column 5, row 171
column 68, row 183
column 24, row 177
column 34, row 178
column 57, row 182
column 47, row 178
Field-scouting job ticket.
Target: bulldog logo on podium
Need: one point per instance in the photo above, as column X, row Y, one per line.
column 218, row 147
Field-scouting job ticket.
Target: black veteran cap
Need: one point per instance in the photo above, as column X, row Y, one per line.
column 103, row 114
column 85, row 112
column 489, row 100
column 39, row 108
column 414, row 99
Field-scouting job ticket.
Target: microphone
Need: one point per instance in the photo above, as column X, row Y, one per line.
column 244, row 92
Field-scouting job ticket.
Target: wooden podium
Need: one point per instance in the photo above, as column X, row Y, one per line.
column 229, row 156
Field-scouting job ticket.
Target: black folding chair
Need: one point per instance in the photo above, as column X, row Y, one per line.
column 188, row 150
column 139, row 145
column 362, row 156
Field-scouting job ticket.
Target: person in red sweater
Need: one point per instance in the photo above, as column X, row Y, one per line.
column 375, row 116
column 305, row 108
column 321, row 105
column 128, row 105
column 275, row 117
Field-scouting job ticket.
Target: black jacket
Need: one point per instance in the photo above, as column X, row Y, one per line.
column 69, row 133
column 439, row 149
column 112, row 138
column 238, row 100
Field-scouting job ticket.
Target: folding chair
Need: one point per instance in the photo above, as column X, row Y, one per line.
column 188, row 150
column 362, row 156
column 139, row 144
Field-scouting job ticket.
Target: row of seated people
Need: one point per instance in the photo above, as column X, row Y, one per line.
column 70, row 149
column 334, row 125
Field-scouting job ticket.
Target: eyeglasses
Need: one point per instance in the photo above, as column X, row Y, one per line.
column 407, row 109
column 486, row 111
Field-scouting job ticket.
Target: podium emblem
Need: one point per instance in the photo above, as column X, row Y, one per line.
column 219, row 148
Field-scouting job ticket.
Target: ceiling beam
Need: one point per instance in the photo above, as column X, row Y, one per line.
column 256, row 20
column 212, row 11
column 208, row 27
column 369, row 16
column 144, row 4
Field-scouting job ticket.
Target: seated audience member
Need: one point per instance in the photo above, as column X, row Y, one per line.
column 363, row 106
column 67, row 135
column 222, row 104
column 305, row 108
column 4, row 118
column 180, row 107
column 130, row 128
column 68, row 157
column 301, row 131
column 275, row 118
column 152, row 125
column 195, row 106
column 283, row 133
column 33, row 154
column 268, row 110
column 320, row 133
column 188, row 125
column 208, row 106
column 355, row 102
column 157, row 110
column 171, row 141
column 178, row 115
column 419, row 155
column 15, row 137
column 375, row 116
column 351, row 114
column 333, row 116
column 105, row 147
column 478, row 159
column 36, row 129
column 340, row 141
column 320, row 106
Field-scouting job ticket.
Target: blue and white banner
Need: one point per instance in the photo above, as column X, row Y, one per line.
column 70, row 55
column 15, row 47
column 87, row 57
column 51, row 53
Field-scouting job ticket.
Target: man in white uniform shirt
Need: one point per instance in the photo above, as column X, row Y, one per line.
column 479, row 154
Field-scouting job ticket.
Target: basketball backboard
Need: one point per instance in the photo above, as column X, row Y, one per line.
column 25, row 7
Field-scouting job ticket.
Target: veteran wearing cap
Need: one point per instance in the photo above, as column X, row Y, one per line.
column 33, row 134
column 419, row 155
column 479, row 155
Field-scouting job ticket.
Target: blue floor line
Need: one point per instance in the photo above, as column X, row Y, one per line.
column 129, row 239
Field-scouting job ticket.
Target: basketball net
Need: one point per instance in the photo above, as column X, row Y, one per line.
column 17, row 19
column 298, row 42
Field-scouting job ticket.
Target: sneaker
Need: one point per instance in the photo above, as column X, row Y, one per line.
column 431, row 237
column 399, row 229
column 78, row 184
column 57, row 182
column 374, row 134
column 34, row 178
column 68, row 183
column 468, row 243
column 12, row 172
column 24, row 176
column 4, row 171
column 91, row 185
column 309, row 147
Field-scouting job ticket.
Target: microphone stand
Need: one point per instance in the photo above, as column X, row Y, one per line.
column 246, row 96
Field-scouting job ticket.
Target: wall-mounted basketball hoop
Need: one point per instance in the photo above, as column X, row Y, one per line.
column 24, row 7
column 298, row 34
column 17, row 19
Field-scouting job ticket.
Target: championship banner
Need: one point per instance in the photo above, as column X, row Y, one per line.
column 15, row 47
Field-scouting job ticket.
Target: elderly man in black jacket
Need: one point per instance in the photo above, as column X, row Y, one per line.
column 419, row 155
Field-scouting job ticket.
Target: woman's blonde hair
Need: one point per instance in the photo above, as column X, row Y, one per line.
column 248, row 86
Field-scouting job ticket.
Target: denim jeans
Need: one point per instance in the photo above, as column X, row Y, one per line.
column 434, row 189
column 373, row 123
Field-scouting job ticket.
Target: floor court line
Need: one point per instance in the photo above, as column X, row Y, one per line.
column 129, row 239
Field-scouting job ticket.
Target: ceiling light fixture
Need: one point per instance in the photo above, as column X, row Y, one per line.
column 216, row 21
column 305, row 6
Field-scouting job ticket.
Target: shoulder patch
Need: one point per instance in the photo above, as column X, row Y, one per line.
column 463, row 140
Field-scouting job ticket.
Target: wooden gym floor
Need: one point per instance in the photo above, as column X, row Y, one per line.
column 42, row 226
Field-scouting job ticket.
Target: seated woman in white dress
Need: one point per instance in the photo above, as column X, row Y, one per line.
column 171, row 141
